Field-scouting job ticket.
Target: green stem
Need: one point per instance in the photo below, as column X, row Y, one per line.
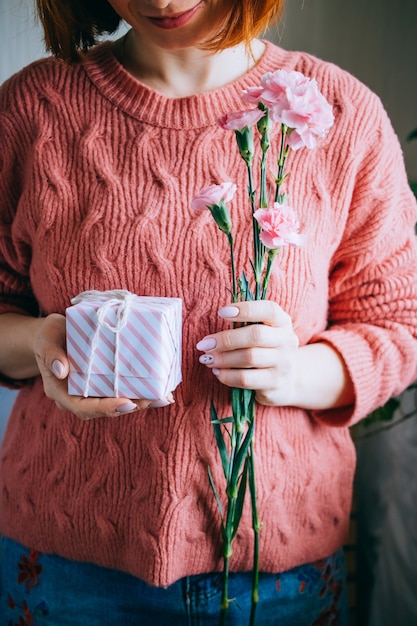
column 225, row 590
column 252, row 194
column 256, row 528
column 282, row 157
column 251, row 190
column 263, row 199
column 227, row 553
column 264, row 127
column 260, row 248
column 240, row 446
column 257, row 244
column 231, row 492
column 271, row 258
column 232, row 261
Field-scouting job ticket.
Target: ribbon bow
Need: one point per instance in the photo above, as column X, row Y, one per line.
column 119, row 298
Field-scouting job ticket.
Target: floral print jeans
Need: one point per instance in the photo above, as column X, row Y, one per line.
column 47, row 590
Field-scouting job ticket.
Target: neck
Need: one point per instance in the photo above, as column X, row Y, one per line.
column 184, row 72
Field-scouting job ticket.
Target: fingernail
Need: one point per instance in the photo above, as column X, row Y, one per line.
column 57, row 368
column 229, row 311
column 207, row 344
column 206, row 359
column 125, row 408
column 158, row 404
column 215, row 371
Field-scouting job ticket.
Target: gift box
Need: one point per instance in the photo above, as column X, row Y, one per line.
column 123, row 345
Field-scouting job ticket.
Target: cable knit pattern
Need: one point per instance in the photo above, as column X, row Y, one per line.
column 96, row 177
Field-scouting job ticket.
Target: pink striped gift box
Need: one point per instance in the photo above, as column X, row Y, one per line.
column 123, row 345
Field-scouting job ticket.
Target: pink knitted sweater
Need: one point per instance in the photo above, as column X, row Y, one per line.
column 96, row 177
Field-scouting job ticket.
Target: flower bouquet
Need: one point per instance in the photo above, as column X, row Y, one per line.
column 294, row 102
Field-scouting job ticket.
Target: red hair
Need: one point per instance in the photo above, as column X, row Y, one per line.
column 71, row 26
column 247, row 19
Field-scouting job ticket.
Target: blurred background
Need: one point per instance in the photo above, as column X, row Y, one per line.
column 376, row 41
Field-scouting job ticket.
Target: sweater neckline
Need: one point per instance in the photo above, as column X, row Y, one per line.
column 144, row 103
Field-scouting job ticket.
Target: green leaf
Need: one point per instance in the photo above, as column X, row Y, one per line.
column 252, row 490
column 242, row 405
column 240, row 498
column 216, row 493
column 413, row 185
column 245, row 287
column 383, row 414
column 242, row 453
column 249, row 401
column 236, row 404
column 412, row 135
column 220, row 440
column 223, row 420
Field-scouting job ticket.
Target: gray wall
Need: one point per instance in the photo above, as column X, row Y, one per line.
column 20, row 37
column 376, row 40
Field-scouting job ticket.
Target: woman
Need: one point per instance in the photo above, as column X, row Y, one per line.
column 106, row 509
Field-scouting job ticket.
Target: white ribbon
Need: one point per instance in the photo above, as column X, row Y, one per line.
column 119, row 298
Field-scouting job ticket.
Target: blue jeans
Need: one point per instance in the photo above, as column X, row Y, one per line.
column 47, row 590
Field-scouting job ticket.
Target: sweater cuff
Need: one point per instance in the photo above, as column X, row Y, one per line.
column 359, row 360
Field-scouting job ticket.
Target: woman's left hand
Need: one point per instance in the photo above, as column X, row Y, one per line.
column 261, row 355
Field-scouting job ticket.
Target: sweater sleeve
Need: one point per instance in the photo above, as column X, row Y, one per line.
column 15, row 250
column 372, row 317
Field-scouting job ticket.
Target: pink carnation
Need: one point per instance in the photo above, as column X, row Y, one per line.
column 276, row 85
column 294, row 100
column 308, row 114
column 280, row 226
column 240, row 119
column 252, row 95
column 213, row 194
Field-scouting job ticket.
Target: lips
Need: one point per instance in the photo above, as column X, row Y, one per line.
column 174, row 21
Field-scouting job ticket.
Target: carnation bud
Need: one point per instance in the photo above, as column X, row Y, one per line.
column 244, row 138
column 264, row 126
column 221, row 215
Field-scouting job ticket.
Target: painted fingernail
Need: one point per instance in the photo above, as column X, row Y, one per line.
column 158, row 404
column 125, row 408
column 215, row 371
column 57, row 368
column 207, row 344
column 206, row 359
column 229, row 311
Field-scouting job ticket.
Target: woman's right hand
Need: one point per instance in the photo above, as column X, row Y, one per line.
column 52, row 361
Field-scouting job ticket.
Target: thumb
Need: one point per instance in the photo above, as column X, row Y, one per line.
column 59, row 369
